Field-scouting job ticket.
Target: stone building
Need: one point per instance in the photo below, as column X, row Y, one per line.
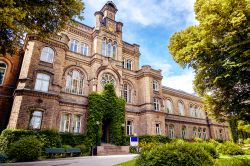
column 58, row 73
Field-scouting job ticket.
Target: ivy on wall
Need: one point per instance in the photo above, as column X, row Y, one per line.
column 103, row 107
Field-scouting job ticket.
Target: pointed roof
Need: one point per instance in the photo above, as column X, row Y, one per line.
column 109, row 6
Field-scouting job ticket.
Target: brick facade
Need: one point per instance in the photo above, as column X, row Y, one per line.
column 58, row 101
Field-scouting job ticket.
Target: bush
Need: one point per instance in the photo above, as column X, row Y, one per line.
column 230, row 148
column 66, row 146
column 84, row 149
column 170, row 154
column 177, row 141
column 71, row 139
column 133, row 149
column 214, row 142
column 196, row 139
column 148, row 146
column 234, row 161
column 26, row 149
column 154, row 138
column 247, row 141
column 209, row 147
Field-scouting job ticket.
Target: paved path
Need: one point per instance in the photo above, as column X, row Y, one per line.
column 79, row 161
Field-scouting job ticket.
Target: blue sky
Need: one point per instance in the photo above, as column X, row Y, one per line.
column 150, row 23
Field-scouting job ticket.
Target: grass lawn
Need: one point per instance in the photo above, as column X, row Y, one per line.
column 224, row 160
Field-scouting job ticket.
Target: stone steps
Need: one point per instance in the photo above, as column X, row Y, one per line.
column 108, row 149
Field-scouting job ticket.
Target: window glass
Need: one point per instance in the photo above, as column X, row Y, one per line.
column 129, row 128
column 114, row 50
column 42, row 82
column 158, row 129
column 109, row 51
column 74, row 45
column 84, row 49
column 107, row 78
column 156, row 105
column 65, row 123
column 171, row 131
column 181, row 108
column 47, row 55
column 75, row 82
column 127, row 92
column 183, row 132
column 76, row 123
column 155, row 85
column 194, row 132
column 169, row 106
column 35, row 120
column 129, row 64
column 3, row 67
column 104, row 47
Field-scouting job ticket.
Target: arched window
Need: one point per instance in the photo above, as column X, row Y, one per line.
column 129, row 64
column 42, row 82
column 169, row 106
column 84, row 49
column 74, row 45
column 181, row 108
column 107, row 78
column 156, row 104
column 109, row 51
column 127, row 92
column 155, row 85
column 75, row 82
column 104, row 41
column 199, row 132
column 183, row 132
column 158, row 129
column 171, row 131
column 194, row 132
column 36, row 120
column 196, row 112
column 114, row 50
column 191, row 110
column 47, row 55
column 3, row 68
column 204, row 133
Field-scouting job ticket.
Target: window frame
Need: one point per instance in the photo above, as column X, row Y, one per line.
column 181, row 112
column 84, row 47
column 156, row 104
column 43, row 56
column 169, row 111
column 36, row 88
column 4, row 74
column 75, row 128
column 129, row 127
column 63, row 128
column 32, row 116
column 183, row 132
column 74, row 45
column 158, row 129
column 127, row 92
column 155, row 85
column 171, row 131
column 71, row 80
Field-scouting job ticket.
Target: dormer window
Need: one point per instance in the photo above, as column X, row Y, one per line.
column 155, row 85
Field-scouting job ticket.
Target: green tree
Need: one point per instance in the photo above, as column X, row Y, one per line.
column 218, row 49
column 42, row 17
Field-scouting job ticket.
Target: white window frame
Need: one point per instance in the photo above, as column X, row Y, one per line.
column 127, row 92
column 114, row 50
column 129, row 64
column 65, row 122
column 184, row 132
column 42, row 84
column 158, row 128
column 76, row 124
column 36, row 119
column 155, row 85
column 129, row 128
column 104, row 46
column 204, row 133
column 74, row 45
column 75, row 82
column 171, row 131
column 194, row 132
column 47, row 55
column 156, row 104
column 110, row 79
column 181, row 108
column 5, row 69
column 109, row 49
column 200, row 132
column 84, row 49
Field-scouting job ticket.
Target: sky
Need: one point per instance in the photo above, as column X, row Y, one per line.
column 151, row 23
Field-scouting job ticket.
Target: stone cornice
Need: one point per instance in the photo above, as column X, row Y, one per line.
column 29, row 92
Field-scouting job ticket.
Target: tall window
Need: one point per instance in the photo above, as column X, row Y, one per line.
column 107, row 78
column 114, row 50
column 181, row 108
column 3, row 67
column 196, row 112
column 76, row 123
column 199, row 132
column 36, row 120
column 221, row 134
column 155, row 85
column 75, row 82
column 84, row 49
column 183, row 132
column 194, row 132
column 204, row 133
column 158, row 129
column 156, row 104
column 191, row 110
column 127, row 90
column 74, row 45
column 109, row 51
column 169, row 106
column 123, row 63
column 129, row 64
column 104, row 41
column 129, row 127
column 47, row 55
column 42, row 82
column 171, row 131
column 65, row 123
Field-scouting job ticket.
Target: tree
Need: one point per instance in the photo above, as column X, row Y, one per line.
column 218, row 49
column 42, row 17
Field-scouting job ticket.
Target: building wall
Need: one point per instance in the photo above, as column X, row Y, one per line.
column 57, row 101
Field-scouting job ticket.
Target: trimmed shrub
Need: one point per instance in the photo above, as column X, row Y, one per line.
column 214, row 142
column 234, row 161
column 230, row 148
column 86, row 151
column 209, row 147
column 26, row 149
column 170, row 154
column 71, row 139
column 154, row 138
column 196, row 139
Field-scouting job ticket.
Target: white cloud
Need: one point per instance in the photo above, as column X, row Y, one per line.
column 151, row 12
column 180, row 82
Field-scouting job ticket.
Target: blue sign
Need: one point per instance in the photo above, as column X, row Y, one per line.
column 134, row 141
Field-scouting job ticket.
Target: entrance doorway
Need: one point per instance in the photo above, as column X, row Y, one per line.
column 106, row 132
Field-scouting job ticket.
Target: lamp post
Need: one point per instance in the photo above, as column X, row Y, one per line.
column 94, row 148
